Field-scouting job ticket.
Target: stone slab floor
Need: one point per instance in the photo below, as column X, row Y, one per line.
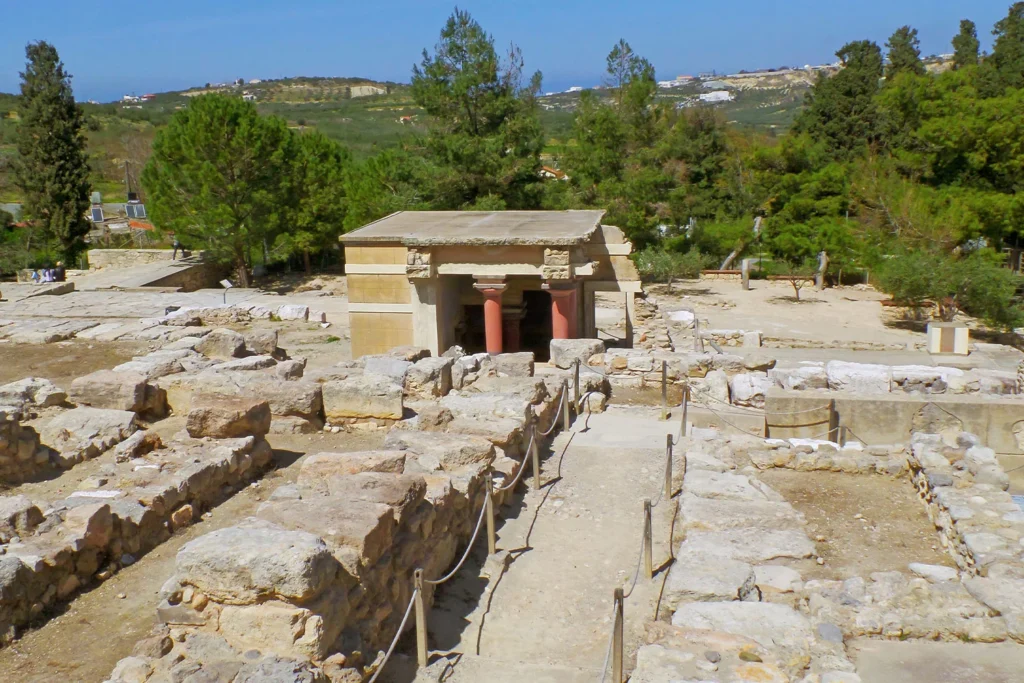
column 548, row 616
column 880, row 661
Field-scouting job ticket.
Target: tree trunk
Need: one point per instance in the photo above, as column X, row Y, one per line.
column 732, row 256
column 243, row 273
column 305, row 260
column 796, row 288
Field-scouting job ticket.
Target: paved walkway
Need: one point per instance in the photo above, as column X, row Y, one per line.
column 548, row 616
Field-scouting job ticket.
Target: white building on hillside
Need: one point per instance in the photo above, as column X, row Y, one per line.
column 717, row 96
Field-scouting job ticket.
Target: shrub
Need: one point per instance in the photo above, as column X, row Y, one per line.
column 659, row 265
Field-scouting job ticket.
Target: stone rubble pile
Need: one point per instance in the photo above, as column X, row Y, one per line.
column 320, row 578
column 739, row 607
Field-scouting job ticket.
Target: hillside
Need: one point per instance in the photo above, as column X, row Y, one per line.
column 364, row 115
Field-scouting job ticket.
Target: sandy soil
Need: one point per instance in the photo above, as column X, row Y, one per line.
column 100, row 627
column 64, row 361
column 892, row 532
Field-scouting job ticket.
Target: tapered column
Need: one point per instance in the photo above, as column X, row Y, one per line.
column 492, row 292
column 563, row 314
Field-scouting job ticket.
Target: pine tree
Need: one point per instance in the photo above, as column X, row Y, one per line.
column 966, row 45
column 904, row 53
column 52, row 168
column 1008, row 49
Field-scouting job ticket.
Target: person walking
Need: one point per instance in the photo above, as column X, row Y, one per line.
column 35, row 277
column 60, row 274
column 177, row 246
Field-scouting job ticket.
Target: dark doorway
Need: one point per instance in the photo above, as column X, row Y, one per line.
column 470, row 333
column 535, row 328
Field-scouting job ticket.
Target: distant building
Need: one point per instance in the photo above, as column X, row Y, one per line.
column 553, row 173
column 717, row 96
column 575, row 88
column 147, row 97
column 254, row 81
column 249, row 97
column 678, row 81
column 131, row 98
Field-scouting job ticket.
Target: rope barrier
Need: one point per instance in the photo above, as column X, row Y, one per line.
column 561, row 403
column 469, row 547
column 608, row 653
column 394, row 641
column 522, row 468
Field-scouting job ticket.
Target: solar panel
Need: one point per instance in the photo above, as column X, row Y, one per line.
column 130, row 209
column 97, row 215
column 140, row 211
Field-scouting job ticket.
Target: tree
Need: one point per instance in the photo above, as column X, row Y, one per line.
column 320, row 201
column 632, row 78
column 220, row 177
column 1007, row 58
column 904, row 53
column 841, row 109
column 52, row 168
column 966, row 45
column 485, row 136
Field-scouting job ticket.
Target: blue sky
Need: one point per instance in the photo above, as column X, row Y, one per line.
column 114, row 47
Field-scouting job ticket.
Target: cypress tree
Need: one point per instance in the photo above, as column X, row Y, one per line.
column 1008, row 49
column 904, row 53
column 966, row 45
column 52, row 168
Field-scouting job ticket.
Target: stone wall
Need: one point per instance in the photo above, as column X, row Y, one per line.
column 127, row 258
column 127, row 509
column 20, row 453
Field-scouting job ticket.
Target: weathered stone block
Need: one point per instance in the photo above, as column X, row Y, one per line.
column 228, row 417
column 363, row 396
column 110, row 390
column 222, row 343
column 566, row 352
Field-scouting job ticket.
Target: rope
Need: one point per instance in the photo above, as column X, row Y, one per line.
column 401, row 627
column 734, row 426
column 476, row 532
column 558, row 413
column 608, row 652
column 522, row 468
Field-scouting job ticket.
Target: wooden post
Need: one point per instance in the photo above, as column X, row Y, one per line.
column 565, row 405
column 668, row 466
column 686, row 405
column 535, row 456
column 617, row 640
column 648, row 540
column 492, row 541
column 421, row 619
column 664, row 390
column 576, row 390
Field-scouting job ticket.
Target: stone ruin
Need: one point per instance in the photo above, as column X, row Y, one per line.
column 736, row 605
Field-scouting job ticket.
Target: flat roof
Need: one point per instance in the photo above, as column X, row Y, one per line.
column 437, row 228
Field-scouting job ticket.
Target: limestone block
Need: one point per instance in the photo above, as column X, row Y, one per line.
column 749, row 544
column 357, row 533
column 934, row 573
column 92, row 522
column 429, row 378
column 84, row 433
column 410, row 354
column 293, row 312
column 389, row 366
column 778, row 579
column 711, row 514
column 110, row 390
column 222, row 343
column 290, row 369
column 18, row 516
column 723, row 485
column 363, row 396
column 33, row 392
column 319, row 467
column 864, row 378
column 257, row 561
column 247, row 364
column 227, row 417
column 399, row 491
column 509, row 364
column 451, row 451
column 283, row 629
column 715, row 385
column 807, row 375
column 566, row 352
column 261, row 342
column 695, row 577
column 776, row 627
column 137, row 445
column 752, row 340
column 748, row 389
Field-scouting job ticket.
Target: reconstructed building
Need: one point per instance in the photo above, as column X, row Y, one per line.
column 495, row 280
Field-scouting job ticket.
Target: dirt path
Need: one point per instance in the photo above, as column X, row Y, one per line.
column 569, row 545
column 64, row 361
column 99, row 627
column 869, row 523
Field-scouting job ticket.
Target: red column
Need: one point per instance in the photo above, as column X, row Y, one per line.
column 492, row 315
column 561, row 313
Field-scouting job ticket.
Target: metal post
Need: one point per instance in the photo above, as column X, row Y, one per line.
column 617, row 640
column 648, row 540
column 535, row 456
column 492, row 541
column 421, row 619
column 576, row 390
column 565, row 405
column 664, row 390
column 668, row 466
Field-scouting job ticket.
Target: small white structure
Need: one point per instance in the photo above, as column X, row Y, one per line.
column 717, row 96
column 575, row 88
column 948, row 338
